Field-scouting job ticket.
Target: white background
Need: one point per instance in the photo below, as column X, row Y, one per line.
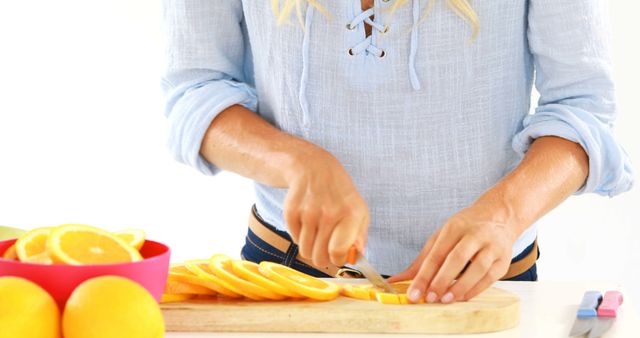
column 82, row 139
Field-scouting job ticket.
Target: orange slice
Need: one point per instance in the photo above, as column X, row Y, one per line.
column 79, row 244
column 179, row 273
column 355, row 291
column 32, row 246
column 299, row 282
column 391, row 298
column 250, row 271
column 171, row 298
column 200, row 267
column 11, row 253
column 221, row 266
column 180, row 288
column 135, row 237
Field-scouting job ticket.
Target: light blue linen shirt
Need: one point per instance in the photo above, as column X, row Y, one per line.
column 424, row 119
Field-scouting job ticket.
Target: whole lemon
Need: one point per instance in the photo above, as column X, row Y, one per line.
column 27, row 310
column 112, row 307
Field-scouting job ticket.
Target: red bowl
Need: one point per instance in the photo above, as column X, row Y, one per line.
column 60, row 280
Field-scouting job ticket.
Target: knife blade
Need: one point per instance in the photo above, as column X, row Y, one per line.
column 607, row 312
column 355, row 257
column 587, row 313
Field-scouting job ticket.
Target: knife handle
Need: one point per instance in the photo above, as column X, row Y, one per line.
column 352, row 255
column 610, row 304
column 589, row 304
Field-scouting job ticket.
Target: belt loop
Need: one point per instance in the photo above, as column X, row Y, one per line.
column 291, row 255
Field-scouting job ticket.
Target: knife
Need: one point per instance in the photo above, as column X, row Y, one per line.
column 607, row 312
column 355, row 257
column 587, row 313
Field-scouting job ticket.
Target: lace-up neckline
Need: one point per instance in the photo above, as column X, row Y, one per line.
column 368, row 44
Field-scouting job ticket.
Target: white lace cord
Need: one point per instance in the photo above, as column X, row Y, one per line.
column 304, row 77
column 413, row 76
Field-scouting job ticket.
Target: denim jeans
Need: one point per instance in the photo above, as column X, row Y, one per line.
column 257, row 250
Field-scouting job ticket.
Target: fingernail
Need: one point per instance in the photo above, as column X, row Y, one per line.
column 431, row 297
column 447, row 298
column 414, row 295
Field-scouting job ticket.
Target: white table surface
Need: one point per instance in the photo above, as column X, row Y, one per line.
column 547, row 310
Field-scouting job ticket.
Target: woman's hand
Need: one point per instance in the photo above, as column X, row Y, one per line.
column 476, row 236
column 324, row 212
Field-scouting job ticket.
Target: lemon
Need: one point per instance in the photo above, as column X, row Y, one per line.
column 112, row 307
column 27, row 310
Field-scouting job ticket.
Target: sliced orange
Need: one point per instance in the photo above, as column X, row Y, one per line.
column 221, row 266
column 171, row 298
column 250, row 271
column 11, row 253
column 179, row 273
column 299, row 282
column 200, row 267
column 355, row 291
column 180, row 288
column 32, row 246
column 79, row 244
column 392, row 298
column 135, row 237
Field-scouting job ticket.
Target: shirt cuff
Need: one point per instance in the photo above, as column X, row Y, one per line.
column 193, row 113
column 610, row 170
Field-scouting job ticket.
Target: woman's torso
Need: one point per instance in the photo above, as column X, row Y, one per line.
column 416, row 155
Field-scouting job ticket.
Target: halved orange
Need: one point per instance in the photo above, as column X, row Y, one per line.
column 11, row 253
column 299, row 282
column 176, row 287
column 171, row 298
column 179, row 272
column 250, row 271
column 32, row 246
column 79, row 244
column 135, row 237
column 355, row 291
column 200, row 267
column 221, row 266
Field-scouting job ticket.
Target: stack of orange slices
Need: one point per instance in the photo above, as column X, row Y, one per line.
column 222, row 276
column 77, row 244
column 240, row 279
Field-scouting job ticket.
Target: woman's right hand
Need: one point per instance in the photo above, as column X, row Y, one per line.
column 324, row 212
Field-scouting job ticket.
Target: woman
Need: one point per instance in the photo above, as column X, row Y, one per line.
column 398, row 126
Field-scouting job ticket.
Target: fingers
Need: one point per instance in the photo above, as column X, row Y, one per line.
column 494, row 273
column 410, row 272
column 445, row 242
column 452, row 266
column 321, row 245
column 308, row 233
column 477, row 270
column 292, row 213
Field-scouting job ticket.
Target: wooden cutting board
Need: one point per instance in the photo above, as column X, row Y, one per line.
column 493, row 310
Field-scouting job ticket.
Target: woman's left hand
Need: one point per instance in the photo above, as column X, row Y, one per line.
column 478, row 236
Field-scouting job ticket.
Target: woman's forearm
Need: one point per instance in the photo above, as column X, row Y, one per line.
column 552, row 170
column 240, row 141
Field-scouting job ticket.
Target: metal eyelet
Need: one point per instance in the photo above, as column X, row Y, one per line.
column 349, row 27
column 350, row 51
column 383, row 54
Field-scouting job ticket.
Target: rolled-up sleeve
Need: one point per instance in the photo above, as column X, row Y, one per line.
column 205, row 74
column 570, row 44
